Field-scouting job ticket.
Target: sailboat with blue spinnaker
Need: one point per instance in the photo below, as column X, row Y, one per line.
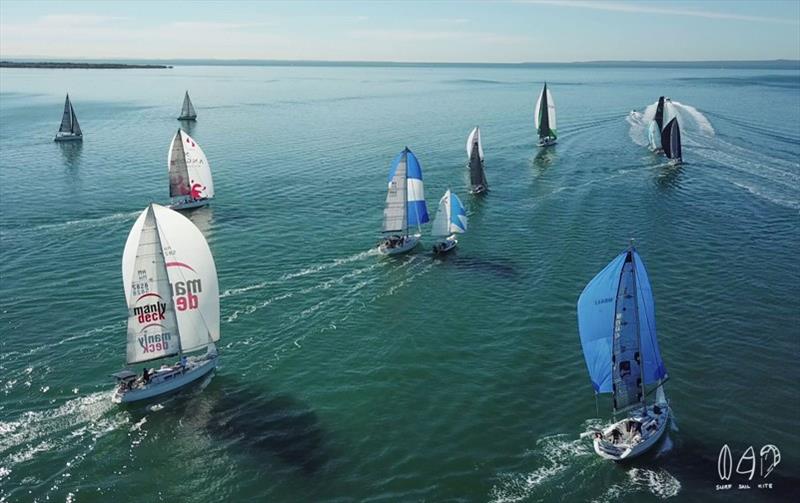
column 616, row 321
column 405, row 205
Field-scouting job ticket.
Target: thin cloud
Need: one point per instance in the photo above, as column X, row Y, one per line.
column 639, row 8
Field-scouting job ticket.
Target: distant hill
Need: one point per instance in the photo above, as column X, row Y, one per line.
column 82, row 65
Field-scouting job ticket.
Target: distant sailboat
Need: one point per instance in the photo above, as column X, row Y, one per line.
column 171, row 287
column 451, row 219
column 477, row 176
column 405, row 205
column 671, row 141
column 69, row 130
column 545, row 118
column 190, row 182
column 187, row 110
column 616, row 321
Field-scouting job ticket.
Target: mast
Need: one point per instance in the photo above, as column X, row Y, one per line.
column 638, row 325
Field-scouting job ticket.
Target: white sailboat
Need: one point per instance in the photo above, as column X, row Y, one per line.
column 451, row 219
column 405, row 205
column 69, row 130
column 170, row 282
column 190, row 181
column 616, row 321
column 544, row 118
column 187, row 110
column 477, row 175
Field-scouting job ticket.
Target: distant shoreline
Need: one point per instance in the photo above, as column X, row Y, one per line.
column 85, row 66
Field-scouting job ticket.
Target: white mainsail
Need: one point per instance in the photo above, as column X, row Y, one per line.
column 152, row 325
column 192, row 274
column 195, row 165
column 441, row 224
column 395, row 212
column 474, row 136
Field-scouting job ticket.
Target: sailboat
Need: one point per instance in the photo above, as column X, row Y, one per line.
column 69, row 130
column 659, row 117
column 545, row 118
column 405, row 205
column 451, row 219
column 616, row 321
column 477, row 176
column 671, row 141
column 190, row 182
column 187, row 110
column 171, row 287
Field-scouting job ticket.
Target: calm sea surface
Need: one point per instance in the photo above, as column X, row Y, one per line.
column 350, row 377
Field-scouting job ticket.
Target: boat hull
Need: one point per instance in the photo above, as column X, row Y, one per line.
column 188, row 118
column 478, row 190
column 68, row 137
column 408, row 244
column 188, row 205
column 628, row 449
column 173, row 382
column 444, row 246
column 546, row 142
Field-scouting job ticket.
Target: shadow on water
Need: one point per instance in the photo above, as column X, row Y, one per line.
column 497, row 268
column 71, row 153
column 668, row 176
column 249, row 421
column 544, row 158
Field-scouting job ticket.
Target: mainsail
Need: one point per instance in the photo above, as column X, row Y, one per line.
column 671, row 140
column 616, row 321
column 187, row 277
column 545, row 116
column 473, row 140
column 152, row 326
column 394, row 213
column 187, row 110
column 451, row 217
column 477, row 176
column 659, row 118
column 189, row 171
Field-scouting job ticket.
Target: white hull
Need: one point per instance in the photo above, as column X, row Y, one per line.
column 631, row 444
column 408, row 243
column 187, row 205
column 167, row 380
column 445, row 245
column 68, row 137
column 546, row 142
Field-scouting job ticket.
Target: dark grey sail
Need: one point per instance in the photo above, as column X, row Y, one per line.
column 66, row 119
column 395, row 218
column 660, row 113
column 626, row 359
column 544, row 117
column 76, row 128
column 187, row 110
column 671, row 140
column 477, row 176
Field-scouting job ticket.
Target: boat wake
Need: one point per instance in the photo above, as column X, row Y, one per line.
column 72, row 225
column 660, row 483
column 557, row 453
column 693, row 122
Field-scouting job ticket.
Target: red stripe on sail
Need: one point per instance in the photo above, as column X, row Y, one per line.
column 180, row 264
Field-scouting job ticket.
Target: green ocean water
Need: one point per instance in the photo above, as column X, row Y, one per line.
column 350, row 377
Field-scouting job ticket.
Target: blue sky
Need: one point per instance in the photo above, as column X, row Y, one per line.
column 502, row 31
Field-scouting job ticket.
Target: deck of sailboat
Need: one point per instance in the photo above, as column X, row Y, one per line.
column 633, row 440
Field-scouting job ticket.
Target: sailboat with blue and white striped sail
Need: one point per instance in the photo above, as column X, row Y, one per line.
column 451, row 219
column 405, row 205
column 616, row 321
column 544, row 118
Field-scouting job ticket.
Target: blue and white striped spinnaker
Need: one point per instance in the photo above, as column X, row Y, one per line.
column 417, row 211
column 451, row 217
